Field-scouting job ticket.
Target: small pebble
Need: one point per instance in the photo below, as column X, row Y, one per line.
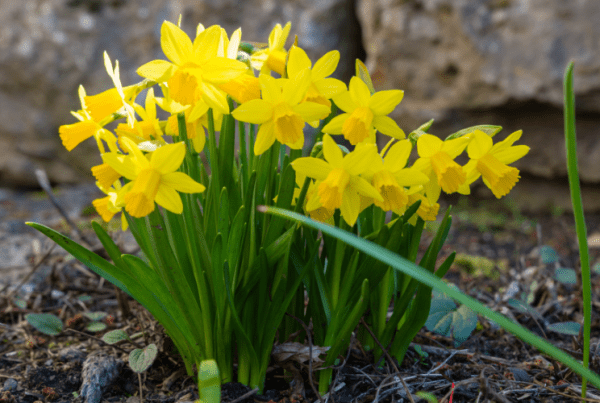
column 56, row 294
column 520, row 375
column 71, row 354
column 48, row 363
column 10, row 385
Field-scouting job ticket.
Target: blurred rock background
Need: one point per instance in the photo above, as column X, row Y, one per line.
column 460, row 62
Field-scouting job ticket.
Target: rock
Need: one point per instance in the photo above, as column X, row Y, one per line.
column 71, row 354
column 99, row 372
column 499, row 62
column 10, row 384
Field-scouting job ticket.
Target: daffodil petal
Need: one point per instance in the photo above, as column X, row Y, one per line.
column 359, row 160
column 511, row 154
column 120, row 163
column 312, row 167
column 330, row 87
column 326, row 65
column 220, row 70
column 384, row 102
column 365, row 188
column 359, row 91
column 345, row 102
column 175, row 43
column 264, row 138
column 214, row 97
column 310, row 111
column 335, row 125
column 182, row 183
column 479, row 145
column 389, row 127
column 206, row 44
column 428, row 145
column 157, row 70
column 350, row 207
column 295, row 88
column 397, row 156
column 332, row 152
column 411, row 177
column 168, row 158
column 168, row 198
column 256, row 111
column 271, row 91
column 507, row 142
column 455, row 146
column 297, row 61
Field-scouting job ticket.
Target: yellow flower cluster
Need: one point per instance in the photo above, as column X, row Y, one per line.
column 140, row 164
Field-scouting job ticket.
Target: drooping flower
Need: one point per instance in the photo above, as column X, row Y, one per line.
column 491, row 162
column 111, row 204
column 74, row 134
column 365, row 112
column 273, row 58
column 390, row 177
column 148, row 128
column 195, row 70
column 322, row 87
column 341, row 185
column 152, row 179
column 279, row 112
column 437, row 162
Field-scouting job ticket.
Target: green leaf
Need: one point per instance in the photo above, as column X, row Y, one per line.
column 20, row 303
column 423, row 276
column 565, row 276
column 95, row 327
column 95, row 316
column 209, row 382
column 427, row 396
column 571, row 328
column 548, row 255
column 141, row 359
column 45, row 322
column 419, row 350
column 448, row 320
column 115, row 336
column 418, row 132
column 363, row 74
column 490, row 130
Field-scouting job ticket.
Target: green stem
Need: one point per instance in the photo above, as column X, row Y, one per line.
column 573, row 172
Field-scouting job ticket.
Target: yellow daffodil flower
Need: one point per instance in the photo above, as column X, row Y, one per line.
column 322, row 88
column 148, row 128
column 195, row 70
column 244, row 87
column 437, row 162
column 74, row 134
column 491, row 161
column 154, row 179
column 111, row 204
column 365, row 112
column 279, row 112
column 341, row 184
column 273, row 58
column 390, row 177
column 428, row 209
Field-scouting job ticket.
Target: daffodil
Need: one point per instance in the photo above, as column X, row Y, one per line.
column 153, row 179
column 111, row 204
column 322, row 88
column 148, row 128
column 195, row 70
column 280, row 113
column 390, row 177
column 437, row 162
column 273, row 58
column 491, row 162
column 428, row 209
column 244, row 87
column 74, row 134
column 341, row 185
column 365, row 112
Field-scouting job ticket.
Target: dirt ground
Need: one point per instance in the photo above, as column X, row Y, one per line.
column 501, row 258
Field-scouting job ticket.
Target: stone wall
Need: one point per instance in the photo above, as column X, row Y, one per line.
column 461, row 62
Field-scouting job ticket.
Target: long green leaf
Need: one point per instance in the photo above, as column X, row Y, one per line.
column 432, row 280
column 584, row 255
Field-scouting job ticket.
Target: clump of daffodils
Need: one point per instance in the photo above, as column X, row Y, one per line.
column 201, row 78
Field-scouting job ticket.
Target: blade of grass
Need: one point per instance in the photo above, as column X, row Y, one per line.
column 423, row 276
column 580, row 228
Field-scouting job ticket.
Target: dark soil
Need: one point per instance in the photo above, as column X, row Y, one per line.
column 491, row 365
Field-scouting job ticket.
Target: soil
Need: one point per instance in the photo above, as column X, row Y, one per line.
column 501, row 257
